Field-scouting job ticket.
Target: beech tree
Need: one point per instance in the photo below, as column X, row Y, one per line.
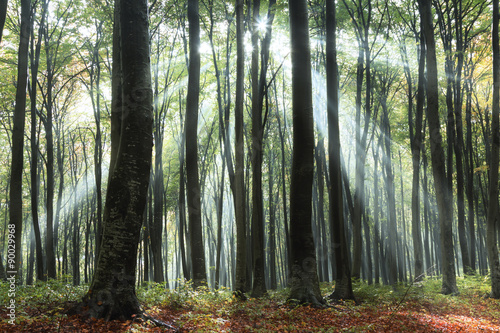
column 343, row 283
column 17, row 162
column 239, row 174
column 191, row 130
column 492, row 217
column 304, row 275
column 449, row 285
column 112, row 292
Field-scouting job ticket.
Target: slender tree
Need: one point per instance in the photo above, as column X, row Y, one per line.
column 304, row 276
column 17, row 162
column 34, row 141
column 239, row 172
column 343, row 284
column 191, row 130
column 416, row 148
column 258, row 123
column 449, row 285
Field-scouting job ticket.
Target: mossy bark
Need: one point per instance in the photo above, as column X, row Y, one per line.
column 112, row 292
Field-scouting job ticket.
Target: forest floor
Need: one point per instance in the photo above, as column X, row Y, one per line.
column 416, row 308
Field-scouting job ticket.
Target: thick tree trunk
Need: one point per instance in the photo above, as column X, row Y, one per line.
column 17, row 163
column 112, row 292
column 343, row 283
column 437, row 154
column 191, row 128
column 492, row 221
column 304, row 277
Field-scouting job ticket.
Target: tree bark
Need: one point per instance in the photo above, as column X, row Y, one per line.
column 112, row 292
column 416, row 148
column 449, row 285
column 343, row 283
column 3, row 16
column 239, row 158
column 492, row 218
column 304, row 277
column 34, row 175
column 191, row 128
column 17, row 161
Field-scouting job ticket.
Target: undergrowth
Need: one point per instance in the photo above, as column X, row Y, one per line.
column 378, row 308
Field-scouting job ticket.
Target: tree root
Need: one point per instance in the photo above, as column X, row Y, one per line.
column 158, row 322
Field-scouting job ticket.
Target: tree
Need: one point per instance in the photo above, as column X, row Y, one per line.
column 304, row 276
column 258, row 123
column 449, row 285
column 191, row 130
column 17, row 162
column 34, row 142
column 3, row 15
column 239, row 154
column 416, row 142
column 343, row 283
column 112, row 291
column 492, row 217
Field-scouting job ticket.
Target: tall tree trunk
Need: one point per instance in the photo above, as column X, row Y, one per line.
column 112, row 292
column 360, row 170
column 182, row 200
column 191, row 128
column 49, row 137
column 390, row 187
column 272, row 224
column 239, row 158
column 304, row 277
column 449, row 285
column 343, row 283
column 459, row 138
column 469, row 169
column 15, row 226
column 98, row 137
column 492, row 220
column 416, row 148
column 258, row 92
column 34, row 141
column 158, row 189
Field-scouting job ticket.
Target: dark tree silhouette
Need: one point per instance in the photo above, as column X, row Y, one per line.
column 492, row 218
column 304, row 276
column 17, row 162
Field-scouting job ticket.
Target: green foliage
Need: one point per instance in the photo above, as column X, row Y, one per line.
column 44, row 294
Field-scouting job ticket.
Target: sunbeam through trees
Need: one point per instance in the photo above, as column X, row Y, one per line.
column 261, row 147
